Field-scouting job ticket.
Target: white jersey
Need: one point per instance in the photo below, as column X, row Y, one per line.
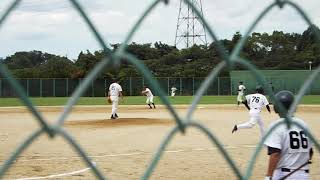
column 115, row 89
column 241, row 89
column 293, row 143
column 173, row 89
column 256, row 102
column 148, row 92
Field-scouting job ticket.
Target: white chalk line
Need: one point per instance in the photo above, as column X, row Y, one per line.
column 115, row 155
column 58, row 175
column 135, row 153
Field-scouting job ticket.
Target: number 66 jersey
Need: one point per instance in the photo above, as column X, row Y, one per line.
column 293, row 143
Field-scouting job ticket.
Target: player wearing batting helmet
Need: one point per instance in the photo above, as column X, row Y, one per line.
column 254, row 103
column 289, row 150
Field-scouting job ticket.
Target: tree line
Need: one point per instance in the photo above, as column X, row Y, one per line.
column 275, row 51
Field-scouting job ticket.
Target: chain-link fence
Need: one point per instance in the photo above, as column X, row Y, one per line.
column 132, row 86
column 277, row 79
column 182, row 123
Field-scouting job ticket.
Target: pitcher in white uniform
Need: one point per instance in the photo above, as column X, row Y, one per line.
column 254, row 103
column 241, row 89
column 147, row 92
column 115, row 91
column 290, row 150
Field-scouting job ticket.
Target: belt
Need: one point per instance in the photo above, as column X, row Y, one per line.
column 289, row 170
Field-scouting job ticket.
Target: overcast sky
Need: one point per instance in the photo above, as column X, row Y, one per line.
column 53, row 26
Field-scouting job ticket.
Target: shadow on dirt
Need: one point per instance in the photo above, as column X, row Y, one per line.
column 118, row 122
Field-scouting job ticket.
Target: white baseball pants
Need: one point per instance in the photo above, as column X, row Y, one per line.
column 298, row 175
column 240, row 98
column 149, row 100
column 115, row 102
column 254, row 118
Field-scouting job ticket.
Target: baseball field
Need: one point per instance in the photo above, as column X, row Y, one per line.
column 123, row 148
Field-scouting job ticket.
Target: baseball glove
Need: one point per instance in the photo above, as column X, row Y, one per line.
column 109, row 100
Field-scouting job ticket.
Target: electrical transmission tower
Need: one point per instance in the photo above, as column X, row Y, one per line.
column 190, row 29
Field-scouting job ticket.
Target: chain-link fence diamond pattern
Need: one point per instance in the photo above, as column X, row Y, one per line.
column 112, row 58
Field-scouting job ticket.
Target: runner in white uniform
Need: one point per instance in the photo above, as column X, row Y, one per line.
column 289, row 149
column 149, row 95
column 115, row 91
column 254, row 103
column 241, row 90
column 173, row 91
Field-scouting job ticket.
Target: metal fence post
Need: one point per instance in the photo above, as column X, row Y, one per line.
column 40, row 87
column 130, row 85
column 180, row 87
column 28, row 87
column 168, row 85
column 67, row 86
column 0, row 87
column 192, row 86
column 207, row 88
column 54, row 87
column 92, row 88
column 105, row 87
column 231, row 87
column 218, row 86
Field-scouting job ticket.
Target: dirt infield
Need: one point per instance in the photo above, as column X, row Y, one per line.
column 123, row 148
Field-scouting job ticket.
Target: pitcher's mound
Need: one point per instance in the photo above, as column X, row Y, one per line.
column 119, row 122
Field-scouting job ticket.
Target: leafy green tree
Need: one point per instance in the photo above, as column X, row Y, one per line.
column 163, row 49
column 21, row 60
column 87, row 61
column 308, row 38
column 57, row 68
column 26, row 73
column 278, row 50
column 143, row 51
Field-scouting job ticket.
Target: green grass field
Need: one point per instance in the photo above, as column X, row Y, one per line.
column 136, row 100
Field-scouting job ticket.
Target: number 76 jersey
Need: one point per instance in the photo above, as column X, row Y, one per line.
column 256, row 101
column 293, row 143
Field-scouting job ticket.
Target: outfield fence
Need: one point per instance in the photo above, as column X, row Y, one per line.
column 132, row 86
column 62, row 87
column 182, row 123
column 278, row 80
